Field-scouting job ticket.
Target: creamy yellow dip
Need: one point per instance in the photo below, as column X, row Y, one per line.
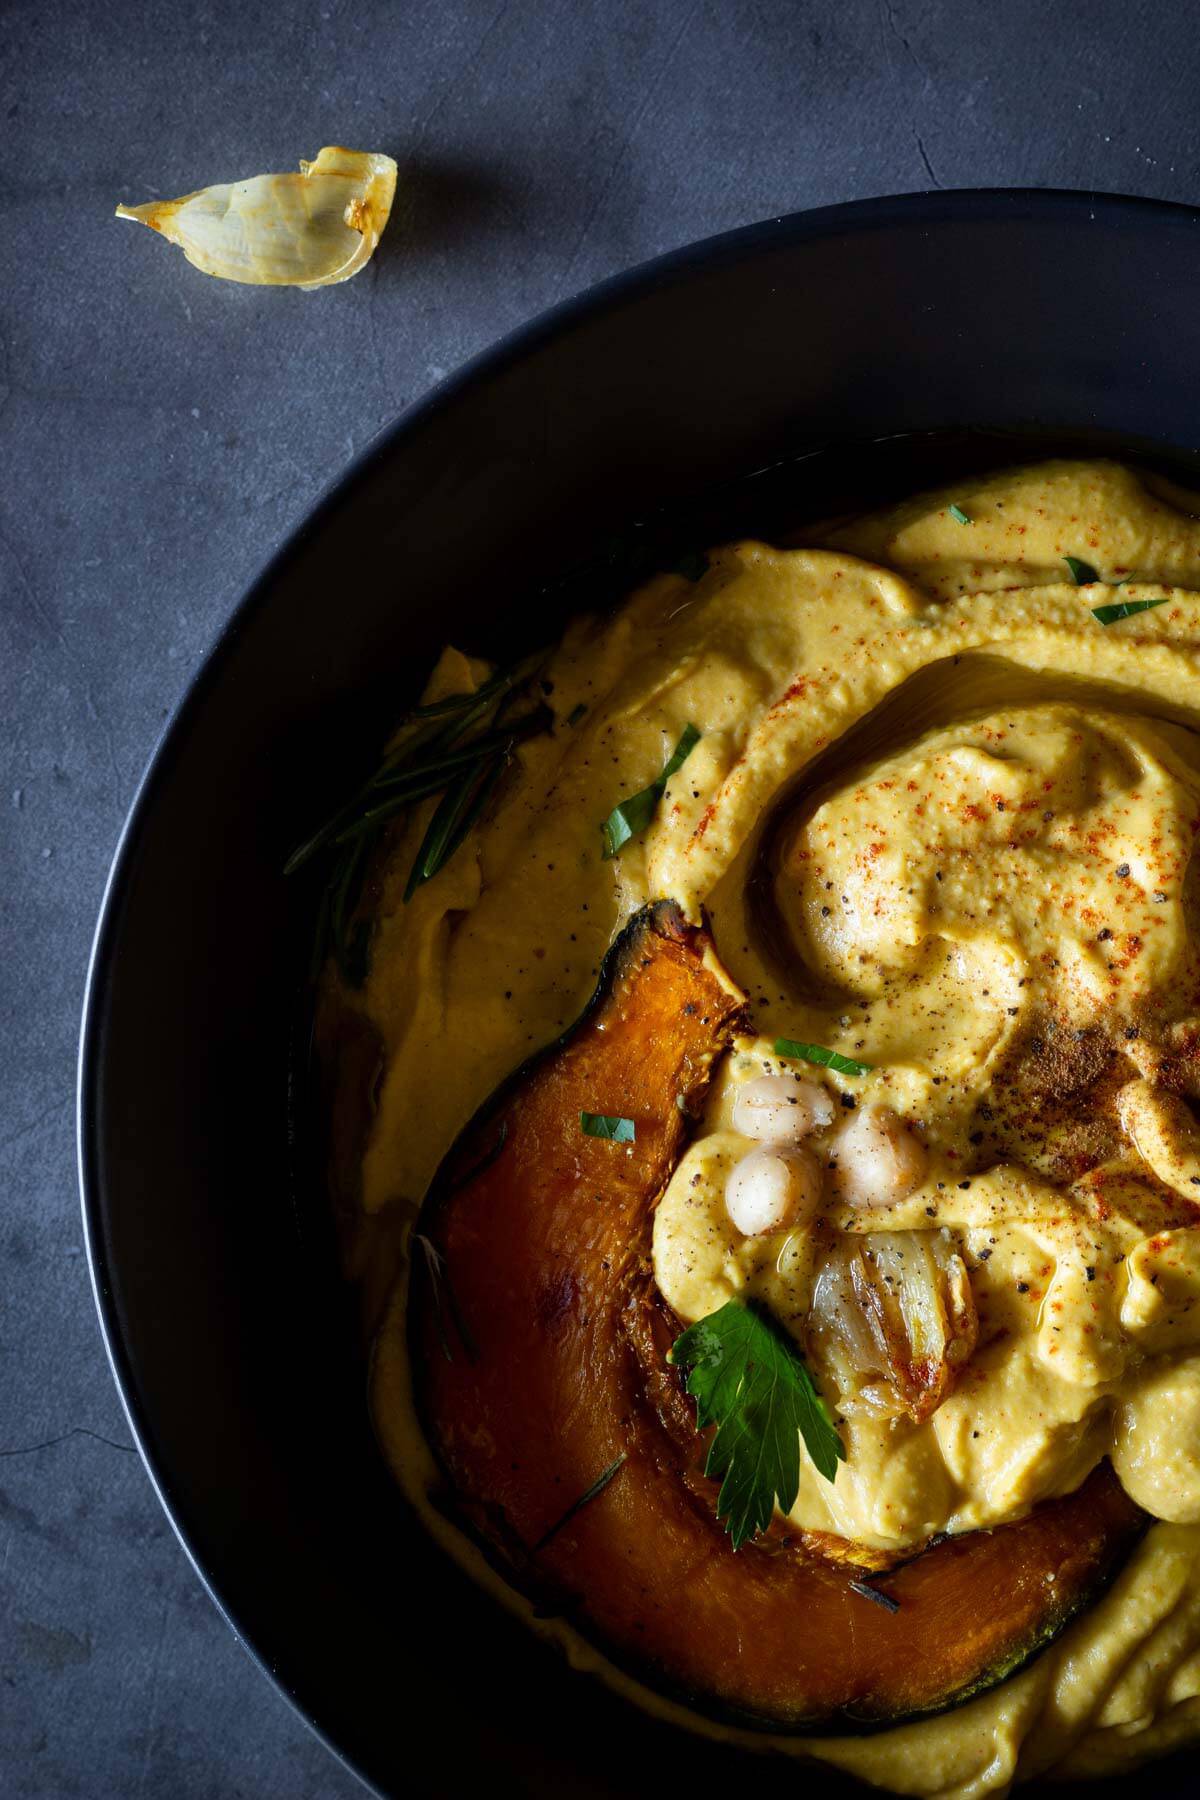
column 941, row 820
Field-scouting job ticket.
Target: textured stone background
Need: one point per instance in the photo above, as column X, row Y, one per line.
column 161, row 433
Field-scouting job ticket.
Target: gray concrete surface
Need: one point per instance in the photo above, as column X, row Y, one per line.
column 161, row 433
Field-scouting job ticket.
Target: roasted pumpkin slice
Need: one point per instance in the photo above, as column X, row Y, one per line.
column 538, row 1352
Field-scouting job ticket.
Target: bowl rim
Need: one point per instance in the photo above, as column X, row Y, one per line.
column 912, row 210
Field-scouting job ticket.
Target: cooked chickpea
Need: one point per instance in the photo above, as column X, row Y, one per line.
column 877, row 1159
column 781, row 1109
column 769, row 1190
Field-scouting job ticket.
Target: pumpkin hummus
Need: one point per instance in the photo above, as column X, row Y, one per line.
column 939, row 820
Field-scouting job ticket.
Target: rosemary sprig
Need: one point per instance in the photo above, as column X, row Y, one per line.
column 396, row 792
column 495, row 684
column 456, row 812
column 459, row 748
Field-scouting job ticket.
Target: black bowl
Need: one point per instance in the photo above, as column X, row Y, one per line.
column 832, row 351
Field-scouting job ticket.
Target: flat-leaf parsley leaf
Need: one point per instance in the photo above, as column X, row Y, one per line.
column 749, row 1381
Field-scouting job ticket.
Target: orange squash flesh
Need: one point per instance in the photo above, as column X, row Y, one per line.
column 539, row 1359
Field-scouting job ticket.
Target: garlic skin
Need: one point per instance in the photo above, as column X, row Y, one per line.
column 308, row 230
column 771, row 1189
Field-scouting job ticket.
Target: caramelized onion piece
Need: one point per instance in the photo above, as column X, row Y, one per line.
column 893, row 1319
column 307, row 230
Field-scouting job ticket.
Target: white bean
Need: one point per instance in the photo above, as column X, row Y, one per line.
column 877, row 1159
column 769, row 1190
column 781, row 1109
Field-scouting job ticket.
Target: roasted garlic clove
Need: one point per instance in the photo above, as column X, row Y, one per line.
column 781, row 1109
column 876, row 1159
column 893, row 1318
column 307, row 230
column 773, row 1188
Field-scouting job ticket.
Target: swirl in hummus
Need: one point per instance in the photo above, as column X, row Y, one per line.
column 940, row 819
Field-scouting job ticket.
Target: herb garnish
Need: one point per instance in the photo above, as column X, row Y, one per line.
column 633, row 815
column 963, row 518
column 876, row 1594
column 607, row 1125
column 457, row 747
column 825, row 1059
column 1123, row 609
column 456, row 812
column 749, row 1381
column 453, row 703
column 1082, row 574
column 585, row 1499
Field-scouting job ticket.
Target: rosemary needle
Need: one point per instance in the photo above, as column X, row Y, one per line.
column 457, row 747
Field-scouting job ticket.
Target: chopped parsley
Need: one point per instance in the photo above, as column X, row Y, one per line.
column 1083, row 574
column 962, row 518
column 633, row 815
column 1123, row 609
column 817, row 1053
column 749, row 1380
column 607, row 1125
